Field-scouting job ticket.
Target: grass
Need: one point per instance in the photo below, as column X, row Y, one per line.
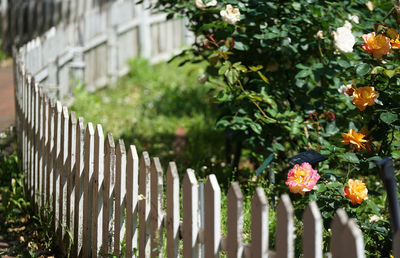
column 147, row 108
column 152, row 106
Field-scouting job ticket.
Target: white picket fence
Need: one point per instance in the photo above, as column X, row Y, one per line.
column 104, row 195
column 101, row 192
column 94, row 46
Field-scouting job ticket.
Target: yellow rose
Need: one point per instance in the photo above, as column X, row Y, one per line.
column 364, row 96
column 356, row 191
column 354, row 139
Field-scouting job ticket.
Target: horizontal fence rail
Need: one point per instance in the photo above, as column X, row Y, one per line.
column 104, row 196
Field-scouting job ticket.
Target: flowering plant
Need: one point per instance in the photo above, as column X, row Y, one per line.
column 289, row 76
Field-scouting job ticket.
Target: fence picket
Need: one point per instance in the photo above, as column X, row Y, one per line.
column 190, row 214
column 172, row 211
column 120, row 177
column 234, row 221
column 109, row 172
column 396, row 245
column 132, row 176
column 352, row 240
column 156, row 213
column 144, row 205
column 45, row 119
column 72, row 138
column 338, row 224
column 34, row 135
column 259, row 224
column 31, row 138
column 62, row 197
column 50, row 147
column 312, row 233
column 39, row 150
column 78, row 199
column 87, row 187
column 284, row 228
column 97, row 181
column 56, row 167
column 212, row 213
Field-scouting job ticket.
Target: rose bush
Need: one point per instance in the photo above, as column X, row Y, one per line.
column 289, row 76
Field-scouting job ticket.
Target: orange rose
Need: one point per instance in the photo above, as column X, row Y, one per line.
column 355, row 139
column 364, row 96
column 376, row 45
column 356, row 191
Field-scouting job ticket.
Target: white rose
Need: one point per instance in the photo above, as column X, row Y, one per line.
column 344, row 39
column 344, row 88
column 230, row 15
column 201, row 5
column 354, row 18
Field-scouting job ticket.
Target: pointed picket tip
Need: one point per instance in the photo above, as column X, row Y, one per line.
column 121, row 148
column 285, row 204
column 312, row 233
column 81, row 124
column 189, row 177
column 156, row 165
column 110, row 141
column 339, row 220
column 259, row 197
column 89, row 129
column 396, row 244
column 41, row 93
column 132, row 153
column 58, row 107
column 99, row 132
column 72, row 118
column 312, row 211
column 172, row 171
column 145, row 159
column 235, row 192
column 212, row 184
column 353, row 240
column 65, row 112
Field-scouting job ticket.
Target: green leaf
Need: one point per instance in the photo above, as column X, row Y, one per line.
column 389, row 73
column 388, row 117
column 349, row 157
column 303, row 73
column 343, row 63
column 256, row 128
column 362, row 69
column 377, row 70
column 262, row 76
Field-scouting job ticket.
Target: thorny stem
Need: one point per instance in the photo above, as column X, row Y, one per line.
column 255, row 103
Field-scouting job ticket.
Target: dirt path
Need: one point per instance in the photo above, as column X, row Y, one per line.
column 7, row 106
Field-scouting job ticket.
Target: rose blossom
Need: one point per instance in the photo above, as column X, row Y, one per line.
column 302, row 179
column 356, row 191
column 343, row 38
column 230, row 15
column 377, row 45
column 201, row 5
column 364, row 96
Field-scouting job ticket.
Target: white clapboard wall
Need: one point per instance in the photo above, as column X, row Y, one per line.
column 94, row 48
column 104, row 193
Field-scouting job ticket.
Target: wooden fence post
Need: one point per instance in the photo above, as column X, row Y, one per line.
column 156, row 212
column 132, row 176
column 108, row 185
column 45, row 139
column 338, row 224
column 97, row 181
column 119, row 193
column 312, row 233
column 144, row 205
column 49, row 152
column 259, row 224
column 56, row 165
column 39, row 150
column 87, row 188
column 353, row 242
column 212, row 214
column 190, row 215
column 235, row 221
column 78, row 205
column 284, row 228
column 62, row 197
column 172, row 211
column 72, row 138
